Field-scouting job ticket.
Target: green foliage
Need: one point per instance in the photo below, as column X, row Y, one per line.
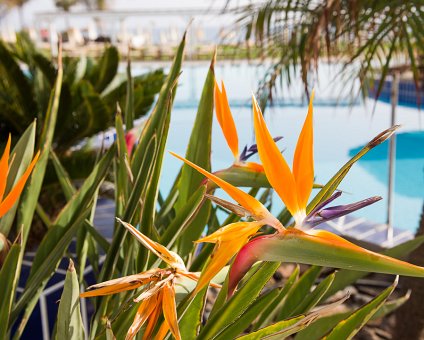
column 90, row 91
column 347, row 328
column 8, row 280
column 69, row 320
column 240, row 302
column 199, row 153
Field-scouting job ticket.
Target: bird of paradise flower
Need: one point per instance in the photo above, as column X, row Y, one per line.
column 228, row 127
column 294, row 244
column 159, row 294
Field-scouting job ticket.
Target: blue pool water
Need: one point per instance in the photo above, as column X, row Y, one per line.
column 338, row 131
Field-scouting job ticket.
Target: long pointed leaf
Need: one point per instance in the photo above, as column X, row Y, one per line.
column 241, row 300
column 198, row 151
column 8, row 281
column 349, row 327
column 69, row 320
column 346, row 277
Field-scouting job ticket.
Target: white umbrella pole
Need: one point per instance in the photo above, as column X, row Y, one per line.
column 394, row 96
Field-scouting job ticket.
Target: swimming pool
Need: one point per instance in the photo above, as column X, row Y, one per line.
column 338, row 130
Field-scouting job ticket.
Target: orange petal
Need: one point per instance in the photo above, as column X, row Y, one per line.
column 225, row 249
column 256, row 208
column 276, row 168
column 223, row 253
column 232, row 231
column 171, row 258
column 225, row 119
column 170, row 309
column 145, row 311
column 303, row 161
column 154, row 289
column 196, row 277
column 4, row 168
column 13, row 195
column 253, row 166
column 122, row 284
column 163, row 330
column 153, row 319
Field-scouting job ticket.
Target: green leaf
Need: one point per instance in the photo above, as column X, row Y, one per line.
column 91, row 229
column 202, row 257
column 105, row 70
column 109, row 332
column 69, row 320
column 139, row 187
column 183, row 218
column 243, row 322
column 29, row 199
column 321, row 248
column 221, row 299
column 56, row 241
column 241, row 300
column 45, row 66
column 185, row 285
column 145, row 166
column 349, row 327
column 18, row 86
column 334, row 182
column 156, row 128
column 73, row 211
column 198, row 151
column 22, row 154
column 146, row 88
column 391, row 306
column 285, row 328
column 30, row 196
column 121, row 169
column 298, row 292
column 322, row 326
column 242, row 177
column 191, row 321
column 312, row 299
column 85, row 244
column 158, row 114
column 345, row 277
column 194, row 228
column 8, row 279
column 129, row 107
column 122, row 322
column 275, row 306
column 86, row 193
column 63, row 176
column 89, row 117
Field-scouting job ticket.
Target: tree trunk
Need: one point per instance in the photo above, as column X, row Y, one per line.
column 410, row 316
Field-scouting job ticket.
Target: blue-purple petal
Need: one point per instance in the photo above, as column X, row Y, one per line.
column 253, row 149
column 323, row 204
column 340, row 210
